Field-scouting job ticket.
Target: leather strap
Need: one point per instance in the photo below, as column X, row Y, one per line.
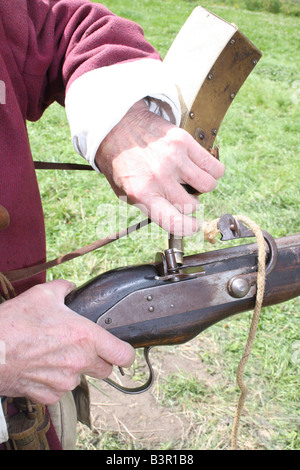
column 24, row 273
column 61, row 166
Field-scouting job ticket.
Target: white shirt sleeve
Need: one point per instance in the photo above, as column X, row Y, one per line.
column 98, row 100
column 3, row 426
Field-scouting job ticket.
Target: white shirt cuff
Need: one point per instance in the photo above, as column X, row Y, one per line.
column 3, row 426
column 98, row 100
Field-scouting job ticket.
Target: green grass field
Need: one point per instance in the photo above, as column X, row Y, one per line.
column 259, row 144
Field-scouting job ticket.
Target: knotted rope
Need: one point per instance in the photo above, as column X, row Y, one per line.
column 210, row 230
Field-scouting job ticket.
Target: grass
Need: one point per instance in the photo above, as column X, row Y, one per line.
column 287, row 7
column 259, row 144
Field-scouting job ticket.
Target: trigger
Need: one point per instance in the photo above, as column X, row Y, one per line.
column 136, row 390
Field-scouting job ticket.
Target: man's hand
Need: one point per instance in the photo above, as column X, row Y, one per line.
column 48, row 346
column 147, row 159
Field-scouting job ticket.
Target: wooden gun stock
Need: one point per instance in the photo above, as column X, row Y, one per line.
column 142, row 307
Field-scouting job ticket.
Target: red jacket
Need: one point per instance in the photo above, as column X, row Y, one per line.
column 44, row 46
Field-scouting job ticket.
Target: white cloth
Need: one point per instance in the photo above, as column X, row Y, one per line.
column 64, row 418
column 3, row 427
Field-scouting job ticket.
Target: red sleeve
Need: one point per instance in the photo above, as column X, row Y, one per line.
column 67, row 38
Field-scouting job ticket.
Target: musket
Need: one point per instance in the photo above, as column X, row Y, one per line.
column 166, row 303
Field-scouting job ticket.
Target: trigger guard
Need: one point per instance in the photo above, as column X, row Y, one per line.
column 136, row 390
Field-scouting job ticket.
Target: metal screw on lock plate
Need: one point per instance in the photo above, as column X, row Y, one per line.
column 239, row 287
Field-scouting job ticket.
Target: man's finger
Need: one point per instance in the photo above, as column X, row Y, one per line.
column 204, row 160
column 113, row 350
column 170, row 218
column 178, row 196
column 198, row 179
column 59, row 287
